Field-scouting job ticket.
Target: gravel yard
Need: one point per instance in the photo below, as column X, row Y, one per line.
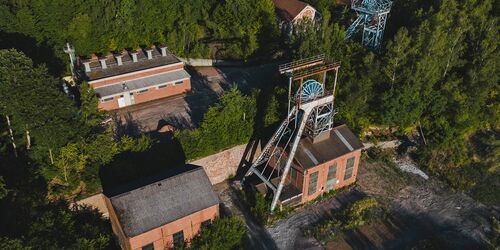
column 420, row 210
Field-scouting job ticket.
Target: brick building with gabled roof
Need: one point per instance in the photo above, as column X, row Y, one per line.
column 163, row 211
column 290, row 12
column 134, row 76
column 328, row 162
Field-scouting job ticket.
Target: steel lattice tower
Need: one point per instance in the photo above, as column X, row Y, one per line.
column 372, row 15
column 311, row 115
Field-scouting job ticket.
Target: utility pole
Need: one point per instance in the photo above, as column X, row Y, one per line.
column 68, row 49
column 11, row 135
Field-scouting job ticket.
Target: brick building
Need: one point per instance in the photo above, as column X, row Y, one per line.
column 165, row 212
column 290, row 12
column 135, row 76
column 329, row 161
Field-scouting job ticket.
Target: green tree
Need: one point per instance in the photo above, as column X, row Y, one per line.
column 227, row 124
column 30, row 96
column 70, row 162
column 88, row 110
column 224, row 234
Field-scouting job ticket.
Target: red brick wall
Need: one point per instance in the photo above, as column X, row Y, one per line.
column 170, row 90
column 162, row 237
column 152, row 94
column 131, row 76
column 108, row 105
column 115, row 225
column 323, row 175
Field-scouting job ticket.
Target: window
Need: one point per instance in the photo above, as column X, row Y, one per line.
column 331, row 179
column 149, row 246
column 107, row 99
column 162, row 86
column 349, row 167
column 178, row 239
column 206, row 223
column 293, row 173
column 143, row 91
column 178, row 82
column 313, row 183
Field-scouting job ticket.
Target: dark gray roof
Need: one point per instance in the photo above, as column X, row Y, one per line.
column 128, row 65
column 164, row 201
column 109, row 90
column 341, row 141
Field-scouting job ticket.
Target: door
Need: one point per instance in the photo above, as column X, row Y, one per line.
column 121, row 102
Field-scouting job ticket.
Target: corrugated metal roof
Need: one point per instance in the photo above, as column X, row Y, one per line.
column 131, row 85
column 151, row 206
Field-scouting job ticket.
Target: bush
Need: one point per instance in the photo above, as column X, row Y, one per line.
column 358, row 214
column 260, row 210
column 224, row 233
column 228, row 124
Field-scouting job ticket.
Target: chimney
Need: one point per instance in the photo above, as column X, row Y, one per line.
column 134, row 56
column 119, row 59
column 87, row 66
column 103, row 63
column 163, row 51
column 150, row 54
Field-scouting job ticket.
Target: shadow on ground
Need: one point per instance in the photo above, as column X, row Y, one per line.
column 129, row 166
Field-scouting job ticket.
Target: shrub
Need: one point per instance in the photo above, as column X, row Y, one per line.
column 224, row 233
column 225, row 125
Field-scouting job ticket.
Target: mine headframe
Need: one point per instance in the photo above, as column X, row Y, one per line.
column 311, row 115
column 372, row 16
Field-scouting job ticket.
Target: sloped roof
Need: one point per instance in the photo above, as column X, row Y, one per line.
column 151, row 206
column 341, row 142
column 171, row 76
column 113, row 69
column 289, row 9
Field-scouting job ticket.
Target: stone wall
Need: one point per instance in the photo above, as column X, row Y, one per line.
column 222, row 165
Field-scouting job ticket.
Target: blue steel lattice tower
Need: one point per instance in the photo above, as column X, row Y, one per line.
column 372, row 15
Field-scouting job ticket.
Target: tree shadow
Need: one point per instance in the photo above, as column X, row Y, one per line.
column 40, row 53
column 201, row 96
column 129, row 166
column 125, row 125
column 261, row 133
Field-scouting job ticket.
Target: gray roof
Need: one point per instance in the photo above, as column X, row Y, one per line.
column 164, row 201
column 113, row 69
column 341, row 141
column 109, row 90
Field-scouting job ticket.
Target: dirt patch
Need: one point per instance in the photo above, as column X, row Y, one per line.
column 422, row 212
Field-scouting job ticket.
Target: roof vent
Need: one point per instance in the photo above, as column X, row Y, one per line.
column 87, row 66
column 163, row 51
column 134, row 56
column 124, row 86
column 103, row 63
column 119, row 59
column 150, row 54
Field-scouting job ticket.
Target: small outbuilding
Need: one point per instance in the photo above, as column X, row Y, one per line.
column 290, row 12
column 163, row 212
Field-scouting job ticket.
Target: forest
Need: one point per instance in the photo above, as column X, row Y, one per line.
column 437, row 71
